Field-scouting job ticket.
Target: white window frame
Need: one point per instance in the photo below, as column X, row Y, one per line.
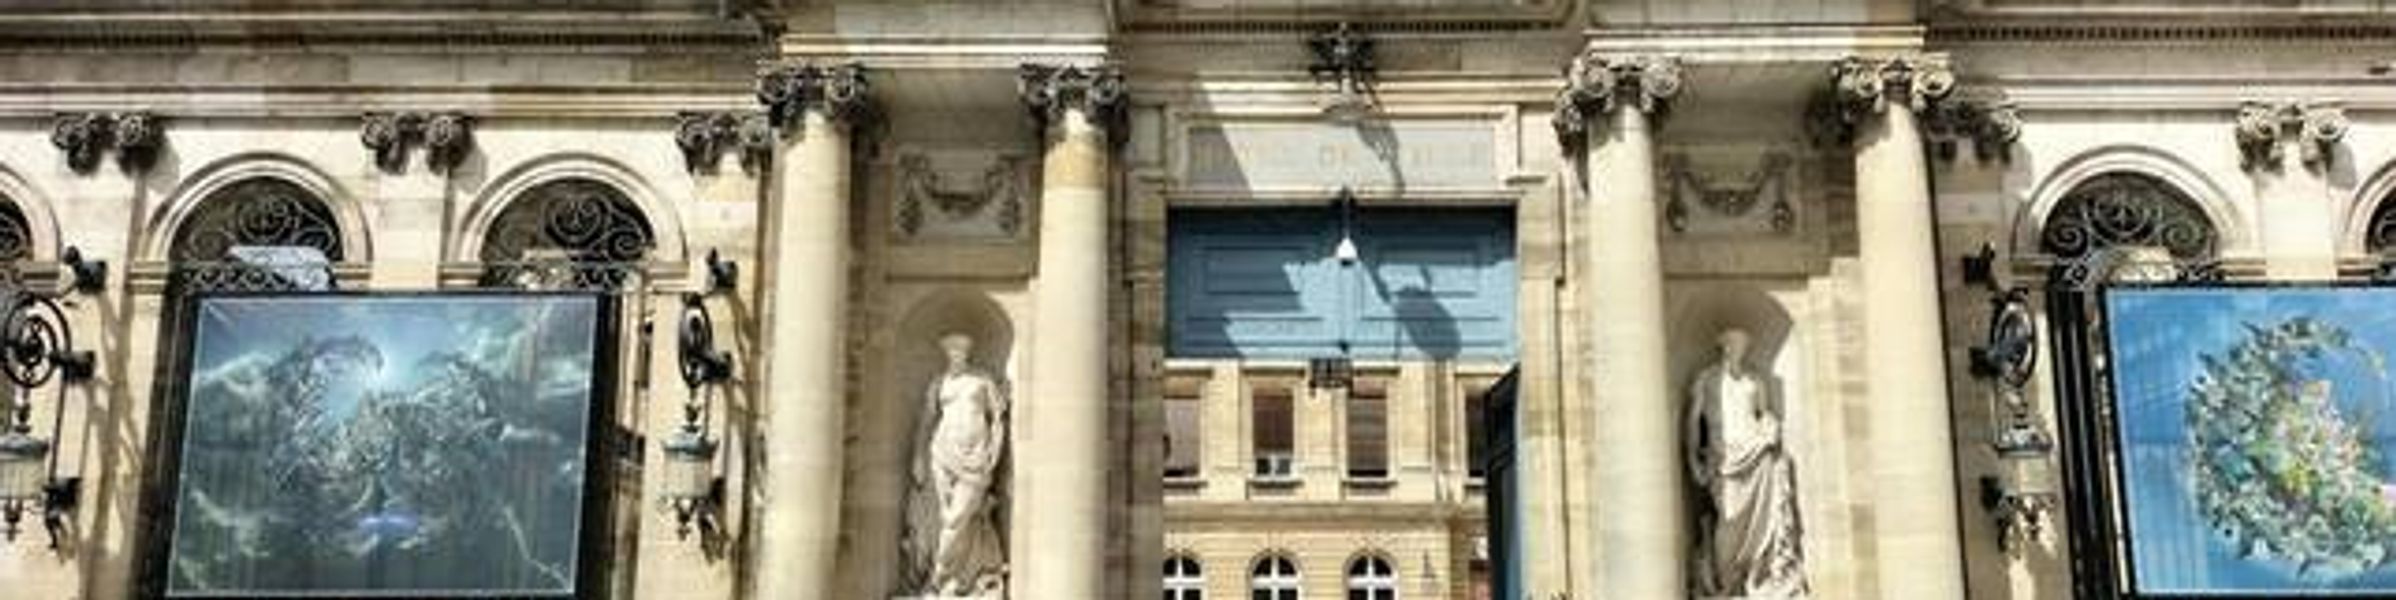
column 1282, row 585
column 1376, row 584
column 1184, row 584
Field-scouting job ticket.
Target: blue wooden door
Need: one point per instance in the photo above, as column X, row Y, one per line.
column 1430, row 283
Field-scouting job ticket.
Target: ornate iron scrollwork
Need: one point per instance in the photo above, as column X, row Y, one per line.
column 569, row 233
column 260, row 211
column 2126, row 209
column 16, row 233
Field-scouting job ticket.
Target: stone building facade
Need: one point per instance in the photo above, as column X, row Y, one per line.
column 1584, row 191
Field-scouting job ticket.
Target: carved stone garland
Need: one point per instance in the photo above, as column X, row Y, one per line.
column 704, row 136
column 2124, row 210
column 925, row 196
column 1096, row 91
column 2315, row 127
column 447, row 138
column 1682, row 182
column 788, row 89
column 257, row 212
column 1595, row 85
column 84, row 137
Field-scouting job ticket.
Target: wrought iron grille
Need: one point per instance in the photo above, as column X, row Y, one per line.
column 16, row 235
column 2380, row 239
column 2120, row 221
column 575, row 234
column 257, row 212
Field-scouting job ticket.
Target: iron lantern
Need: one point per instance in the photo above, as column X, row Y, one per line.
column 24, row 474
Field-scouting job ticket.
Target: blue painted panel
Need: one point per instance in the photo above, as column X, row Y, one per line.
column 1261, row 283
column 1252, row 283
column 1436, row 284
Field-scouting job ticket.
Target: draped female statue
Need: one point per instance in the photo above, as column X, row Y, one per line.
column 952, row 547
column 1748, row 532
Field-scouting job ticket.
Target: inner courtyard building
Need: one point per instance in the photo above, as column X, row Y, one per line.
column 1196, row 299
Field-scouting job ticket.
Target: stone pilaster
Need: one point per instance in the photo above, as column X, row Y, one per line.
column 1912, row 437
column 1061, row 456
column 800, row 357
column 1608, row 109
column 2297, row 205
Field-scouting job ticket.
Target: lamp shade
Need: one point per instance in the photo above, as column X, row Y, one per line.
column 689, row 472
column 23, row 468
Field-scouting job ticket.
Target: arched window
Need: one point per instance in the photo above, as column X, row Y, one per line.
column 571, row 233
column 257, row 212
column 1274, row 577
column 16, row 233
column 1371, row 578
column 1183, row 579
column 261, row 233
column 2127, row 209
column 2380, row 239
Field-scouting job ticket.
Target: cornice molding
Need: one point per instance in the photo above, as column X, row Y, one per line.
column 347, row 101
column 2118, row 32
column 484, row 30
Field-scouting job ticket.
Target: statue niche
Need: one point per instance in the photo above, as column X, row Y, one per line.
column 1748, row 542
column 952, row 546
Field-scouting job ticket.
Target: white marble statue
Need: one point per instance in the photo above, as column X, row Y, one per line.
column 1748, row 535
column 953, row 547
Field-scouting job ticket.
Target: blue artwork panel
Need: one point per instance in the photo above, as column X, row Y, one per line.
column 1264, row 283
column 2258, row 439
column 418, row 446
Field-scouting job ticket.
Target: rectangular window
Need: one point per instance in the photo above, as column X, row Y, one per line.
column 1368, row 429
column 1182, row 442
column 1476, row 429
column 1275, row 423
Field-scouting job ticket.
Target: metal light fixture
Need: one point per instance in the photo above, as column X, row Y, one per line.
column 1345, row 204
column 690, row 483
column 36, row 346
column 2024, row 489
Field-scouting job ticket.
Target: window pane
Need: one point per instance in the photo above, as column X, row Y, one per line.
column 1368, row 432
column 1476, row 428
column 1274, row 439
column 1181, row 436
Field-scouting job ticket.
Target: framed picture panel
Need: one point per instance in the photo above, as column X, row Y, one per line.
column 2256, row 432
column 418, row 445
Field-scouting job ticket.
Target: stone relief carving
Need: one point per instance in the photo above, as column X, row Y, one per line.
column 447, row 137
column 1697, row 204
column 1595, row 85
column 930, row 206
column 1861, row 88
column 85, row 137
column 1096, row 91
column 1748, row 542
column 953, row 546
column 789, row 89
column 704, row 136
column 2315, row 128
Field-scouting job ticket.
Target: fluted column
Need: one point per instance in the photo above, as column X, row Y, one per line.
column 1061, row 454
column 1608, row 109
column 1912, row 437
column 800, row 358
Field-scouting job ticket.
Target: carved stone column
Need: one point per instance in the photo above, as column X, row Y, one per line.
column 801, row 355
column 1607, row 110
column 1061, row 454
column 2296, row 199
column 1912, row 437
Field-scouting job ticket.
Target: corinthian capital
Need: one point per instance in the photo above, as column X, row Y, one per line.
column 1862, row 88
column 2315, row 128
column 788, row 90
column 1051, row 90
column 1596, row 85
